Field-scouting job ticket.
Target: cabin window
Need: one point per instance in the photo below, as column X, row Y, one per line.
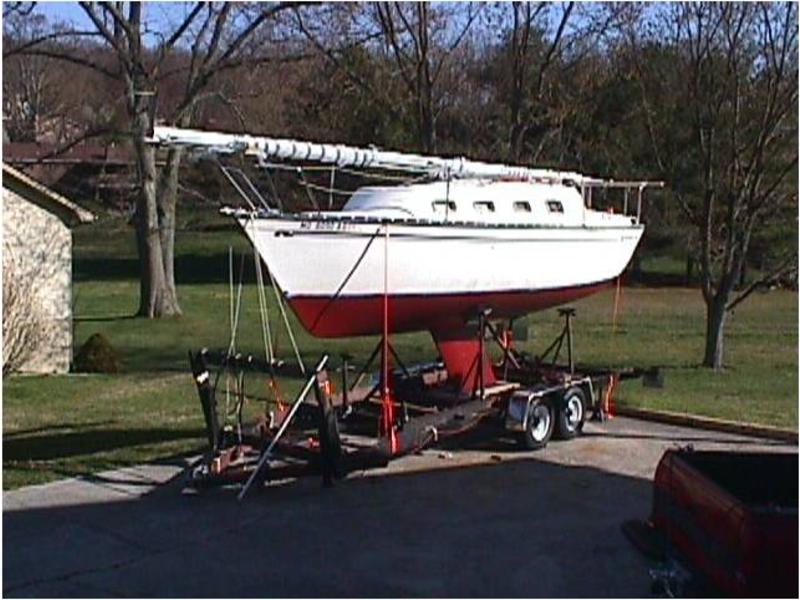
column 442, row 206
column 522, row 207
column 555, row 206
column 484, row 207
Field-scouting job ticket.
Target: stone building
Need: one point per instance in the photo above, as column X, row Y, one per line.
column 37, row 274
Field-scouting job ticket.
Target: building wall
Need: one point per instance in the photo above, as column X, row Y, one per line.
column 40, row 246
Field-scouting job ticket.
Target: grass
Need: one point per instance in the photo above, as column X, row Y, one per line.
column 664, row 327
column 58, row 426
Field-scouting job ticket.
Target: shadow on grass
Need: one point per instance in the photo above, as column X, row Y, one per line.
column 175, row 359
column 189, row 268
column 65, row 445
column 26, row 432
column 90, row 319
column 659, row 279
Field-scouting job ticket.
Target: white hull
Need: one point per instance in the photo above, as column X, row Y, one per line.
column 315, row 257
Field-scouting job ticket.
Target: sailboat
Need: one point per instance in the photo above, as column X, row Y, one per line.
column 473, row 236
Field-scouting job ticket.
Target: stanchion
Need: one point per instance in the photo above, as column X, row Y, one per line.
column 386, row 392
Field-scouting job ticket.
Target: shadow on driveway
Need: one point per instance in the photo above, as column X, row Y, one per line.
column 512, row 528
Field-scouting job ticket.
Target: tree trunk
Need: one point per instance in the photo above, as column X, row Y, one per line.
column 167, row 201
column 515, row 142
column 715, row 329
column 742, row 278
column 154, row 296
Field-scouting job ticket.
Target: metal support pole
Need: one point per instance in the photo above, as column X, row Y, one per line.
column 345, row 399
column 386, row 395
column 207, row 398
column 367, row 364
column 262, row 462
column 330, row 192
column 398, row 360
column 505, row 346
column 403, row 368
column 639, row 204
column 567, row 313
column 330, row 445
column 301, row 175
column 569, row 343
column 482, row 322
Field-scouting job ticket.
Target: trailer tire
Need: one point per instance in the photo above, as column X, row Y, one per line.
column 571, row 414
column 538, row 426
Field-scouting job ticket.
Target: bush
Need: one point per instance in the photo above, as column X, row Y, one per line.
column 97, row 356
column 23, row 329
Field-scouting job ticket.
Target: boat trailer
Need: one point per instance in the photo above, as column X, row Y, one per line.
column 321, row 432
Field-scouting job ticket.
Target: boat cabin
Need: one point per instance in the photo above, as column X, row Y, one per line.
column 483, row 201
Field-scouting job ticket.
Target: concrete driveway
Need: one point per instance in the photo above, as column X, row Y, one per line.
column 483, row 521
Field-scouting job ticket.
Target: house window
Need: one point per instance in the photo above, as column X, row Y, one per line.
column 484, row 207
column 443, row 206
column 555, row 206
column 522, row 207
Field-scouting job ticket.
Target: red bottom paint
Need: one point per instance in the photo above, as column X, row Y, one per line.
column 445, row 316
column 363, row 315
column 460, row 351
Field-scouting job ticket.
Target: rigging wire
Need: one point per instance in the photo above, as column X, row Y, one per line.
column 329, row 190
column 347, row 278
column 286, row 322
column 236, row 186
column 237, row 312
column 262, row 311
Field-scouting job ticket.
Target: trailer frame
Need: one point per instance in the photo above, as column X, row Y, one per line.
column 305, row 438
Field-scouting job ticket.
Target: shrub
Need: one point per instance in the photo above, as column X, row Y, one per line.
column 97, row 356
column 23, row 327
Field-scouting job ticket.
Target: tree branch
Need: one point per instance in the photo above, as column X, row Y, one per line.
column 88, row 8
column 84, row 62
column 45, row 38
column 178, row 33
column 787, row 265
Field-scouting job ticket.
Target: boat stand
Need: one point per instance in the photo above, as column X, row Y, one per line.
column 318, row 434
column 251, row 454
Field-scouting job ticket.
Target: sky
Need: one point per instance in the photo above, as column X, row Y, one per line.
column 158, row 12
column 62, row 11
column 154, row 12
column 165, row 16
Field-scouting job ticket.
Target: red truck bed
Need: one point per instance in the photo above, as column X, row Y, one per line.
column 733, row 515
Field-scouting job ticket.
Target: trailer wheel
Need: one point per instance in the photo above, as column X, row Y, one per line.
column 571, row 414
column 539, row 425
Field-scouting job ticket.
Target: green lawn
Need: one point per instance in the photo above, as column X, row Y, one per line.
column 64, row 425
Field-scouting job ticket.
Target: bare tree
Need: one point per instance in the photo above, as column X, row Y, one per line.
column 22, row 9
column 544, row 48
column 421, row 40
column 412, row 43
column 30, row 84
column 219, row 37
column 525, row 97
column 720, row 108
